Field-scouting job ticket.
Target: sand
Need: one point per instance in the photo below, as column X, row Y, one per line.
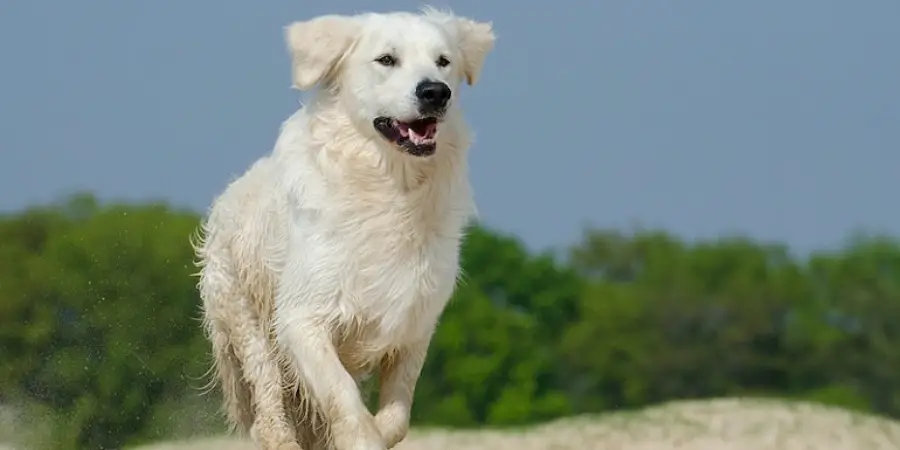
column 726, row 424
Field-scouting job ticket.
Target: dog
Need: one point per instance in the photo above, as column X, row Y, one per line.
column 333, row 257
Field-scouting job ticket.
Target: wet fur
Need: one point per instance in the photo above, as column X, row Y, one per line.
column 334, row 256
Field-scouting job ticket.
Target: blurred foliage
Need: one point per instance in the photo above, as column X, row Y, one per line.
column 99, row 324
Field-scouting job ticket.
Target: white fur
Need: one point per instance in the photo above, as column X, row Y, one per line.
column 335, row 255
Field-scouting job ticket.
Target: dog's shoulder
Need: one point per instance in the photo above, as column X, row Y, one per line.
column 298, row 176
column 293, row 137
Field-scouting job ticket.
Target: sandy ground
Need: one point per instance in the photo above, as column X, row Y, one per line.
column 727, row 424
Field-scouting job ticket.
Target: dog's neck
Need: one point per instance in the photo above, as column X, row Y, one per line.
column 347, row 145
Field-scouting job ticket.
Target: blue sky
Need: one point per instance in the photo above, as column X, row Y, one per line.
column 776, row 119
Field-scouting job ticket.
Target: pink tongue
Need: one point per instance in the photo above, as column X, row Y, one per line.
column 403, row 128
column 426, row 132
column 430, row 129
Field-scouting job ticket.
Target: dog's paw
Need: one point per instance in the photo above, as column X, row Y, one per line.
column 393, row 424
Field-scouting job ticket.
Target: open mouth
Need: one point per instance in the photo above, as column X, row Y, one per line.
column 415, row 137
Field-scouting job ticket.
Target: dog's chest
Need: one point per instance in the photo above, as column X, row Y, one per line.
column 393, row 297
column 398, row 266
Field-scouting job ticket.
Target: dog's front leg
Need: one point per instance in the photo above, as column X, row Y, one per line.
column 399, row 373
column 328, row 383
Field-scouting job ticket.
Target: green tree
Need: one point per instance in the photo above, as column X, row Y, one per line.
column 492, row 360
column 26, row 322
column 99, row 321
column 114, row 309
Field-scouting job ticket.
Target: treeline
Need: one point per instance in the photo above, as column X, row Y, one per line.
column 99, row 323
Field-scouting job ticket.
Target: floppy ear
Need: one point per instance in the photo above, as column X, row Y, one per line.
column 476, row 40
column 316, row 46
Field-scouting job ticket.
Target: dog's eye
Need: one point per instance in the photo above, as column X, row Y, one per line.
column 442, row 61
column 386, row 60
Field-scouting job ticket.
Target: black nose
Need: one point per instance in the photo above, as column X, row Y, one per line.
column 433, row 95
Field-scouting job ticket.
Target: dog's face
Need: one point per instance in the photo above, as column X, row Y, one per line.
column 397, row 74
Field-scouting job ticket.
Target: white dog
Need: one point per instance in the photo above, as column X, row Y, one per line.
column 334, row 256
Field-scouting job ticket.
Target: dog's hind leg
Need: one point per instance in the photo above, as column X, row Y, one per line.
column 261, row 369
column 311, row 429
column 235, row 391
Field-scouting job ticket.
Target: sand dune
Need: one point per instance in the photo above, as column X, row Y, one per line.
column 727, row 424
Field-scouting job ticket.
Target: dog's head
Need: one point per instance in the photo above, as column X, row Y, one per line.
column 396, row 74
